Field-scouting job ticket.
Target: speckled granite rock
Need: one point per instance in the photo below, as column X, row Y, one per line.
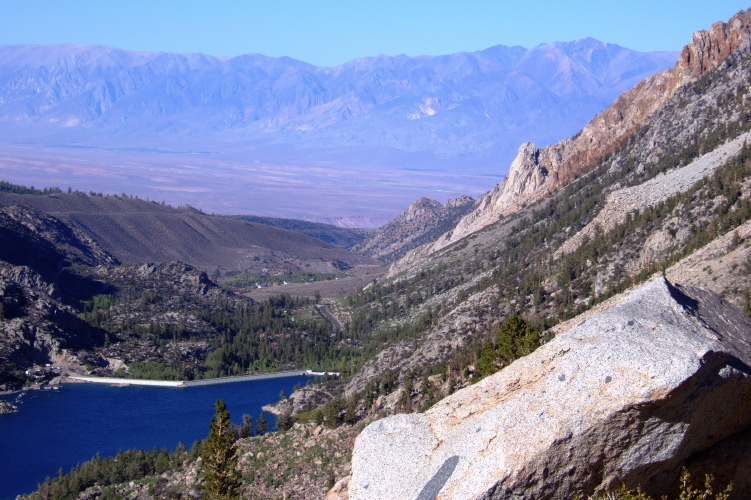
column 627, row 396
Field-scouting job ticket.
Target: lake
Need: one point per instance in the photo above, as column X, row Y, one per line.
column 60, row 428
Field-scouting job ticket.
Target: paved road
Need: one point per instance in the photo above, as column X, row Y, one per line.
column 337, row 325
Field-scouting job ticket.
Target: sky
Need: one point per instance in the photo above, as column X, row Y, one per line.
column 331, row 32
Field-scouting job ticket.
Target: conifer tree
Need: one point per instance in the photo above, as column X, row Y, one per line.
column 246, row 430
column 284, row 422
column 262, row 425
column 219, row 454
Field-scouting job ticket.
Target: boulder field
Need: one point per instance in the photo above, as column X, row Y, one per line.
column 628, row 396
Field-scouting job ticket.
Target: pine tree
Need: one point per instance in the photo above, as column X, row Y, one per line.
column 285, row 421
column 262, row 425
column 246, row 430
column 219, row 454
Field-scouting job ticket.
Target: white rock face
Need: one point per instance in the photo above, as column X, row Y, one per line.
column 627, row 396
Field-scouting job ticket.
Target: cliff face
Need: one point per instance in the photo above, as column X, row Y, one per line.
column 709, row 48
column 536, row 173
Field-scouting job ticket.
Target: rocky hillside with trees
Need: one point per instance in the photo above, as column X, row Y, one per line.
column 537, row 173
column 420, row 223
column 532, row 263
column 66, row 302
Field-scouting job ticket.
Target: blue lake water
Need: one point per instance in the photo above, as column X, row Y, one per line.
column 61, row 428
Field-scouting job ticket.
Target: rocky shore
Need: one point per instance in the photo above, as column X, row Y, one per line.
column 7, row 408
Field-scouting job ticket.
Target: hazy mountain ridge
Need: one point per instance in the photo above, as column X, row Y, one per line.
column 412, row 103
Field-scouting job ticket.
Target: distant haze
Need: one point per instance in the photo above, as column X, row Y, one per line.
column 354, row 144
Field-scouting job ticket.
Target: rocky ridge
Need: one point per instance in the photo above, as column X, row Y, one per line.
column 628, row 396
column 536, row 173
column 421, row 222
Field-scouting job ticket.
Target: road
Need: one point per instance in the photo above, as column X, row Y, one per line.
column 336, row 324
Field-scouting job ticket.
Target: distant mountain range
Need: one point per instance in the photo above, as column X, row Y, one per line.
column 390, row 118
column 464, row 103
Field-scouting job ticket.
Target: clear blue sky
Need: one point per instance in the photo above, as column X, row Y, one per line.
column 330, row 32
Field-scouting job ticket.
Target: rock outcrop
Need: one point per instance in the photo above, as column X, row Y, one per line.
column 7, row 408
column 628, row 396
column 421, row 222
column 536, row 173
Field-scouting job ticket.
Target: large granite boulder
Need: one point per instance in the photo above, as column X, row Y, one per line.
column 630, row 396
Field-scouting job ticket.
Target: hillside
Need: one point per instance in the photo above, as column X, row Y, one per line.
column 137, row 231
column 421, row 222
column 340, row 236
column 554, row 259
column 65, row 301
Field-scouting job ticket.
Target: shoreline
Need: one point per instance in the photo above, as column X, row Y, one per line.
column 56, row 382
column 192, row 383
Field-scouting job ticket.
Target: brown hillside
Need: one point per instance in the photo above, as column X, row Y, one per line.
column 134, row 231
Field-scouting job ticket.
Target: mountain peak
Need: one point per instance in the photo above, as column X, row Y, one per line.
column 421, row 222
column 708, row 48
column 536, row 173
